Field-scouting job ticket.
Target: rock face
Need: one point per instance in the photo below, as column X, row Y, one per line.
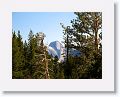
column 55, row 48
column 52, row 52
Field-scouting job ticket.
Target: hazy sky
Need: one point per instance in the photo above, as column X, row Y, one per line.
column 46, row 22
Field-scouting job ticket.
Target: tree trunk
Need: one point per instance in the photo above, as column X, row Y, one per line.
column 96, row 33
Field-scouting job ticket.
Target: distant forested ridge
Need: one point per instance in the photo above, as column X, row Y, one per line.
column 31, row 60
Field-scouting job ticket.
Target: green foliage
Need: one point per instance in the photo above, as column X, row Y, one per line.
column 32, row 61
column 85, row 35
column 17, row 55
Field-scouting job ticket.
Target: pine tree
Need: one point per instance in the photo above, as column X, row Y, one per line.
column 56, row 67
column 26, row 61
column 43, row 64
column 31, row 53
column 67, row 68
column 17, row 56
column 31, row 60
column 85, row 36
column 88, row 26
column 61, row 70
column 14, row 51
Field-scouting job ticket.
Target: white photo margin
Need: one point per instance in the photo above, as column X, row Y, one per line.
column 104, row 84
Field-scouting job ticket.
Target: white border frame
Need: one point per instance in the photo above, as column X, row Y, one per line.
column 104, row 84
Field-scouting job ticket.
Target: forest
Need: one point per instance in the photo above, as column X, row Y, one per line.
column 30, row 59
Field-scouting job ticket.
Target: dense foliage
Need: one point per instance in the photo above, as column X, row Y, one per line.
column 30, row 61
column 85, row 35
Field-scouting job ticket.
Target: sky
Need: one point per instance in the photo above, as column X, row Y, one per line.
column 46, row 22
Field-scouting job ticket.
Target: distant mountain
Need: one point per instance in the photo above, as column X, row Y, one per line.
column 74, row 52
column 52, row 52
column 55, row 48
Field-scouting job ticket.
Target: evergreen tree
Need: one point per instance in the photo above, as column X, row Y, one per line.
column 84, row 36
column 17, row 56
column 62, row 74
column 67, row 68
column 14, row 51
column 44, row 64
column 31, row 53
column 56, row 67
column 86, row 27
column 26, row 61
column 87, row 32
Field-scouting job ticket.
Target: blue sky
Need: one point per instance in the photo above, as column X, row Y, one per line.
column 46, row 22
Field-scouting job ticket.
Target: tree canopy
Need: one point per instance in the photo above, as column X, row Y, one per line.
column 30, row 58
